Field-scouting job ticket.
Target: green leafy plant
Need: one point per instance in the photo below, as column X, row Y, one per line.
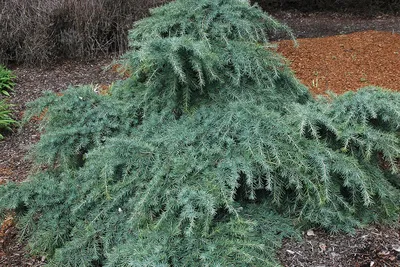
column 5, row 120
column 6, row 81
column 208, row 155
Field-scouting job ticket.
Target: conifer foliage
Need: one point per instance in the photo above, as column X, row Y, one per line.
column 207, row 155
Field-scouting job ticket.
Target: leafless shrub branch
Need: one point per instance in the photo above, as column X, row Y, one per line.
column 41, row 31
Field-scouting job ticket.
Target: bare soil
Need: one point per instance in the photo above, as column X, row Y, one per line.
column 337, row 63
column 377, row 246
column 323, row 24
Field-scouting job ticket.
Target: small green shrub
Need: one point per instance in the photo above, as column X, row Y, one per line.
column 5, row 120
column 206, row 155
column 6, row 81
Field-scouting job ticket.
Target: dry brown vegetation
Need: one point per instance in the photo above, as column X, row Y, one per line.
column 42, row 31
column 39, row 31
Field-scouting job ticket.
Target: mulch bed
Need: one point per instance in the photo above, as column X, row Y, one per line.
column 338, row 63
column 346, row 62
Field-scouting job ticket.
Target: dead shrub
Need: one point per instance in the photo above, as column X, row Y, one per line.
column 40, row 31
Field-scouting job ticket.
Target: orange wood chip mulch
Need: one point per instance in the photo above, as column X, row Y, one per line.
column 346, row 62
column 6, row 225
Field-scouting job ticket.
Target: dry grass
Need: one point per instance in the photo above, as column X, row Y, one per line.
column 40, row 31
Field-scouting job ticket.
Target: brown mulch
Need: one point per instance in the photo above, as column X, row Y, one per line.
column 346, row 62
column 337, row 63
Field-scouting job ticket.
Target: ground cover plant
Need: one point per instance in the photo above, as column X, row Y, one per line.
column 6, row 86
column 6, row 81
column 5, row 118
column 206, row 155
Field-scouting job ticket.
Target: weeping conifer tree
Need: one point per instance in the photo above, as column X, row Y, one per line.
column 208, row 155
